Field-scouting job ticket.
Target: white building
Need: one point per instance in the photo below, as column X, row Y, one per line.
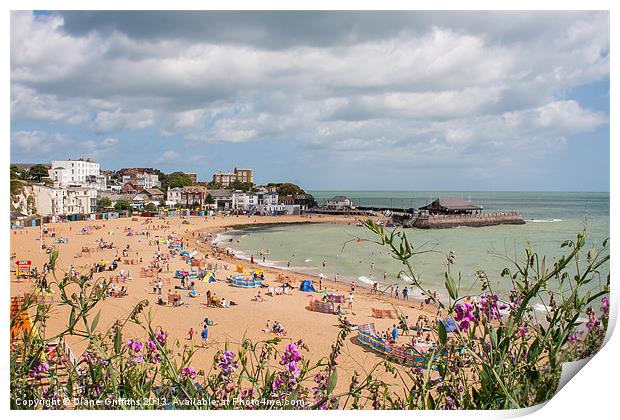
column 50, row 201
column 268, row 198
column 81, row 200
column 77, row 172
column 244, row 200
column 339, row 202
column 143, row 179
column 174, row 195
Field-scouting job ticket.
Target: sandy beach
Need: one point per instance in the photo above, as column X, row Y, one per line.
column 246, row 319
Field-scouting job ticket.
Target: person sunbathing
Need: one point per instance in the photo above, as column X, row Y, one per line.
column 258, row 297
column 192, row 294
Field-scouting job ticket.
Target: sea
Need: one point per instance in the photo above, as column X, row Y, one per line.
column 346, row 251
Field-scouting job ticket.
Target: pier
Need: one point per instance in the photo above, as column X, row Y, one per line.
column 441, row 221
column 442, row 213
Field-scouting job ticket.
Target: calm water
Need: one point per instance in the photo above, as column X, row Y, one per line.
column 551, row 219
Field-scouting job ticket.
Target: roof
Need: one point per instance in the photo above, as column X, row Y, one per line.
column 338, row 198
column 452, row 203
column 153, row 191
column 220, row 193
column 17, row 215
column 113, row 196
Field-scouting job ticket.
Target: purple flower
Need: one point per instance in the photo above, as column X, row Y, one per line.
column 489, row 306
column 572, row 338
column 161, row 336
column 593, row 323
column 605, row 305
column 189, row 372
column 227, row 363
column 464, row 314
column 247, row 393
column 522, row 330
column 291, row 354
column 138, row 359
column 293, row 369
column 277, row 383
column 42, row 367
column 134, row 345
column 150, row 344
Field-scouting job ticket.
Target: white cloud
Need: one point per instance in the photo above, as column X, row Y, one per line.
column 465, row 89
column 106, row 121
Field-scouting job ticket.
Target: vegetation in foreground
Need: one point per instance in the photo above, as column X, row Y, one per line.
column 492, row 361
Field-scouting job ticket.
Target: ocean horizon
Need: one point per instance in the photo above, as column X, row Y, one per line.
column 551, row 218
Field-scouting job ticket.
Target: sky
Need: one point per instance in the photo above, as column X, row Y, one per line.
column 328, row 100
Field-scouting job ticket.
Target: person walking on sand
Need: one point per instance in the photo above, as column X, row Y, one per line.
column 350, row 300
column 204, row 335
column 353, row 286
column 336, row 278
column 405, row 293
column 190, row 334
column 320, row 282
column 396, row 295
column 394, row 333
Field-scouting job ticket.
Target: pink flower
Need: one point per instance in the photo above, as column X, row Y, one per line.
column 464, row 314
column 161, row 336
column 605, row 305
column 189, row 372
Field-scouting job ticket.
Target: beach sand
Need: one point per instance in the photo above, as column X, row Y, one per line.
column 247, row 319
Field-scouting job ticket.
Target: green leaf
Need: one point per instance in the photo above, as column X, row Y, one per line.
column 117, row 341
column 430, row 402
column 95, row 321
column 450, row 286
column 443, row 334
column 333, row 379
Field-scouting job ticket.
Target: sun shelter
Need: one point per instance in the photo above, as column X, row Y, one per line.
column 184, row 253
column 179, row 274
column 319, row 306
column 246, row 282
column 306, row 286
column 367, row 337
column 336, row 298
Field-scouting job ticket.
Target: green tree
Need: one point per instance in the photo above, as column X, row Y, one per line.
column 209, row 199
column 38, row 172
column 15, row 173
column 178, row 179
column 150, row 207
column 243, row 186
column 286, row 188
column 103, row 203
column 122, row 205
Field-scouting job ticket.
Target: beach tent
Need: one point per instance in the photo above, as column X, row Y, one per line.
column 306, row 286
column 209, row 277
column 184, row 253
column 450, row 325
